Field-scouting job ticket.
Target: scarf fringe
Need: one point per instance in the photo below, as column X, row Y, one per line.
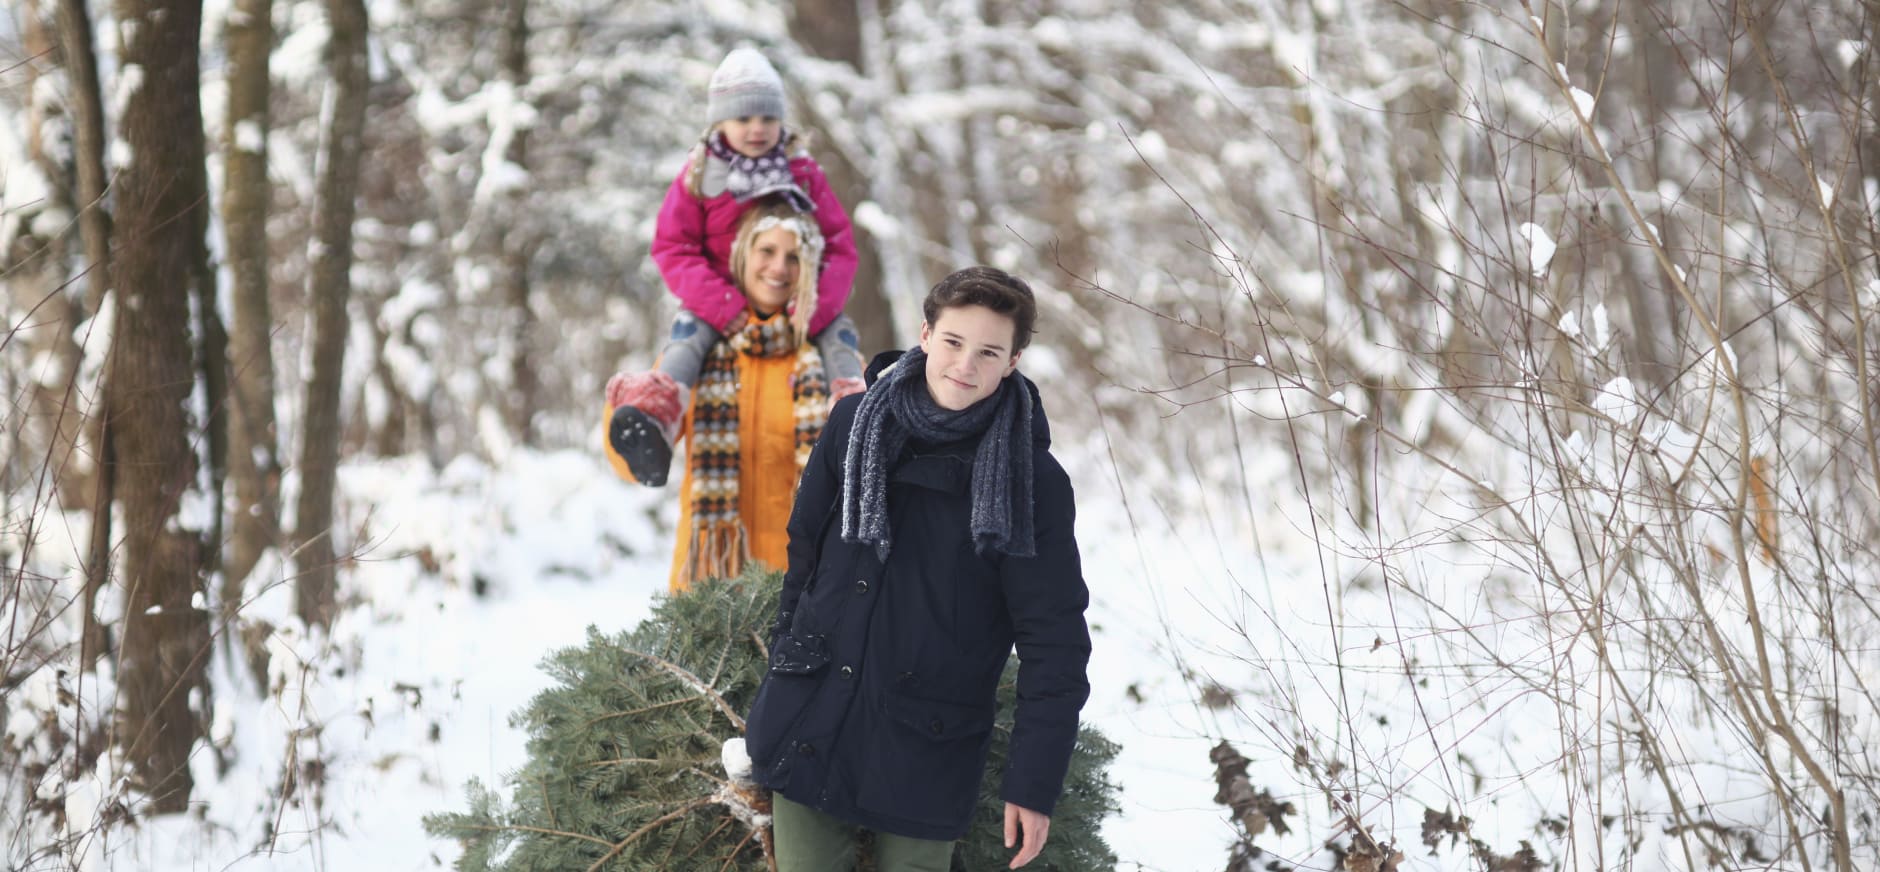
column 718, row 550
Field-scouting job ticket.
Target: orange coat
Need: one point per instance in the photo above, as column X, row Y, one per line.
column 766, row 465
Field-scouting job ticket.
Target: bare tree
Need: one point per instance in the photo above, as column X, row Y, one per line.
column 254, row 451
column 87, row 109
column 518, row 241
column 1592, row 294
column 328, row 290
column 166, row 631
column 831, row 30
column 81, row 62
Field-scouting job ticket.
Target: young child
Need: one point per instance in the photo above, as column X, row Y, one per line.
column 745, row 154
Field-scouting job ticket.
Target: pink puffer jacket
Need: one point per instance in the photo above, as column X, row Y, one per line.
column 692, row 246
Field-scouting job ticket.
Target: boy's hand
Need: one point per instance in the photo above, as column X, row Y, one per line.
column 1037, row 828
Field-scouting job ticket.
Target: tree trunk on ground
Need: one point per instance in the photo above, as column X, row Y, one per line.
column 254, row 452
column 166, row 637
column 832, row 30
column 327, row 295
column 519, row 242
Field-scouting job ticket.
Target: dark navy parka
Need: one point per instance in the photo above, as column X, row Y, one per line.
column 878, row 705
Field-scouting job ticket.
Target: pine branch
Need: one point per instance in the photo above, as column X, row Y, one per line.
column 641, row 710
column 696, row 684
column 543, row 831
column 654, row 824
column 620, row 761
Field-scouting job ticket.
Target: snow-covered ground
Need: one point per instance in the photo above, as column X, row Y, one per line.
column 467, row 578
column 1461, row 687
column 1458, row 688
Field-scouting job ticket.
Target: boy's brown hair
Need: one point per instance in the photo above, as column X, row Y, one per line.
column 992, row 288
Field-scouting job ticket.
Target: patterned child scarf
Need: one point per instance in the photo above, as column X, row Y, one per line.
column 752, row 177
column 898, row 407
column 720, row 546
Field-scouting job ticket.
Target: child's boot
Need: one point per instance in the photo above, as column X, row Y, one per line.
column 647, row 408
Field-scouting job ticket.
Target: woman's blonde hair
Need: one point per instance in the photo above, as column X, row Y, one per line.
column 795, row 142
column 775, row 212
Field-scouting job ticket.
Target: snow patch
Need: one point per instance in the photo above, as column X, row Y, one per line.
column 1541, row 247
column 877, row 221
column 1577, row 448
column 1674, row 446
column 1618, row 400
column 1583, row 102
column 1848, row 51
column 250, row 136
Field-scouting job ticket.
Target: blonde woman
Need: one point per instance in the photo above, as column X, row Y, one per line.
column 761, row 401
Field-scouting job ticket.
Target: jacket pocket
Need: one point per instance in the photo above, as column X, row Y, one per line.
column 925, row 763
column 785, row 695
column 939, row 720
column 799, row 655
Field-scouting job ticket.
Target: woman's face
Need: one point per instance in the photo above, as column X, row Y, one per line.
column 770, row 269
column 969, row 349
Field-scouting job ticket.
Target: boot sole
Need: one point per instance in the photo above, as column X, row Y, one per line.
column 635, row 436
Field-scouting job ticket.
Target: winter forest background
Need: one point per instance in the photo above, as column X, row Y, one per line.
column 1473, row 406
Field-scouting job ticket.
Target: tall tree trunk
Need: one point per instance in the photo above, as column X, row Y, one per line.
column 254, row 452
column 331, row 285
column 831, row 29
column 86, row 103
column 519, row 242
column 166, row 636
column 212, row 364
column 37, row 271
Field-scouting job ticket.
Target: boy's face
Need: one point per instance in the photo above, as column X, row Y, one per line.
column 969, row 350
column 752, row 135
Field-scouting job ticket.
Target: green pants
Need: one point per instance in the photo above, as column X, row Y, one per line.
column 810, row 841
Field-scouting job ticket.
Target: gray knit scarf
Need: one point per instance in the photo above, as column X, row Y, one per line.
column 751, row 177
column 899, row 407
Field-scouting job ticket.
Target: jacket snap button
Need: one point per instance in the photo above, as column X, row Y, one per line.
column 806, row 749
column 861, row 585
column 848, row 672
column 935, row 726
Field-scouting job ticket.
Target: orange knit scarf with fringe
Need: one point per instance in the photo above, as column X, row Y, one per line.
column 720, row 546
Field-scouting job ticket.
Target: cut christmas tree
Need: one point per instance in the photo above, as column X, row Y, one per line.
column 625, row 768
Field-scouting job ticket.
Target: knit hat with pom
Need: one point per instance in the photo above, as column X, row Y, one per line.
column 744, row 84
